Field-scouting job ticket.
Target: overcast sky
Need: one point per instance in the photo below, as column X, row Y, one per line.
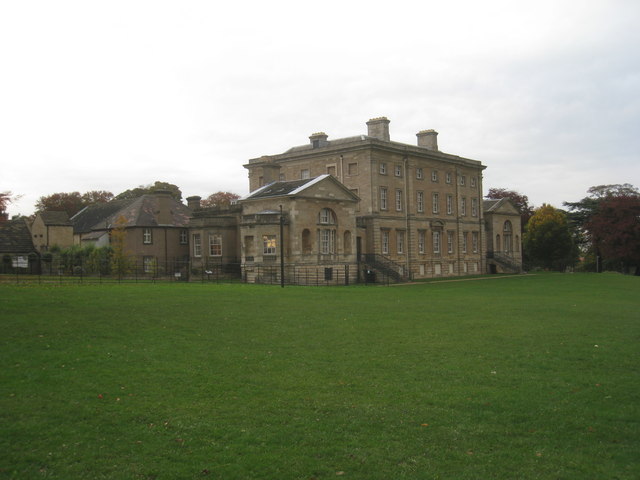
column 112, row 95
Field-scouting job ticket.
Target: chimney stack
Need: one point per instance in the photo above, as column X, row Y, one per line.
column 379, row 128
column 194, row 202
column 319, row 139
column 428, row 139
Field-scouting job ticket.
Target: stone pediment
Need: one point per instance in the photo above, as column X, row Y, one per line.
column 327, row 188
column 504, row 206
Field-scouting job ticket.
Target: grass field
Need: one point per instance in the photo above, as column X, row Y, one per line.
column 529, row 377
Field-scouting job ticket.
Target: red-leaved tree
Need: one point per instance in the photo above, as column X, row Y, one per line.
column 219, row 199
column 615, row 230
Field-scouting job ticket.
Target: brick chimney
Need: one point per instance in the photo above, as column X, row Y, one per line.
column 379, row 128
column 194, row 202
column 428, row 139
column 319, row 139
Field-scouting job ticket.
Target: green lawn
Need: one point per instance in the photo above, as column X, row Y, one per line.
column 529, row 377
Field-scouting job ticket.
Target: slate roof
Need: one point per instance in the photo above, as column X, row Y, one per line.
column 15, row 237
column 333, row 143
column 143, row 211
column 277, row 189
column 490, row 206
column 91, row 216
column 293, row 187
column 55, row 218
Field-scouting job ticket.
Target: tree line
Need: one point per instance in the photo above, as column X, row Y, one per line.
column 73, row 202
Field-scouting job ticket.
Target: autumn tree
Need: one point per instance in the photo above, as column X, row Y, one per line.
column 548, row 241
column 6, row 198
column 520, row 201
column 72, row 202
column 147, row 189
column 593, row 221
column 219, row 199
column 96, row 196
column 119, row 254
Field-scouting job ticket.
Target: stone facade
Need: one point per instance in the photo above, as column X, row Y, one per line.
column 156, row 227
column 359, row 204
column 503, row 232
column 51, row 229
column 419, row 209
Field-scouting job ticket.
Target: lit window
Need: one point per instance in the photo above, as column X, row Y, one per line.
column 435, row 203
column 146, row 236
column 197, row 245
column 420, row 201
column 269, row 244
column 399, row 200
column 215, row 245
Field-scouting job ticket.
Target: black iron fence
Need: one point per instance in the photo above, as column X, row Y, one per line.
column 132, row 269
column 129, row 269
column 300, row 274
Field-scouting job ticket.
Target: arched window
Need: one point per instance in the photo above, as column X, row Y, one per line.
column 347, row 242
column 508, row 242
column 307, row 244
column 327, row 217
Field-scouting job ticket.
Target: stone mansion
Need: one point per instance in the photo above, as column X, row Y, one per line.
column 361, row 205
column 337, row 210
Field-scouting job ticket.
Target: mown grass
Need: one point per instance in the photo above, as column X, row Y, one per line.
column 530, row 377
